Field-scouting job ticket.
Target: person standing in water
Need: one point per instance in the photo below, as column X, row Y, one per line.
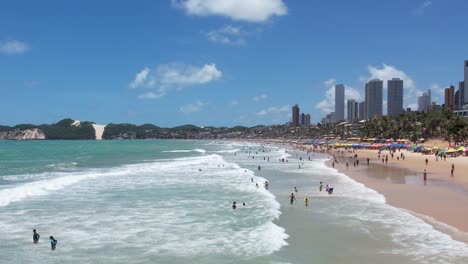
column 292, row 198
column 234, row 206
column 306, row 201
column 36, row 237
column 295, row 189
column 53, row 243
column 321, row 186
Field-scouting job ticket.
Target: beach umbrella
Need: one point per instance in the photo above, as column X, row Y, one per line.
column 450, row 150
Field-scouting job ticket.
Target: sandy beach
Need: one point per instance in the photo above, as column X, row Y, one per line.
column 441, row 200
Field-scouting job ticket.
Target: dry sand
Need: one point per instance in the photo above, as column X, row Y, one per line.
column 441, row 198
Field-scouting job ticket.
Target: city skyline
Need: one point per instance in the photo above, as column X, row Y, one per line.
column 164, row 62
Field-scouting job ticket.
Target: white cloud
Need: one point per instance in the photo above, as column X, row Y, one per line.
column 422, row 7
column 242, row 10
column 437, row 93
column 228, row 35
column 327, row 105
column 192, row 108
column 140, row 78
column 274, row 110
column 330, row 82
column 174, row 76
column 234, row 102
column 259, row 98
column 13, row 47
column 150, row 95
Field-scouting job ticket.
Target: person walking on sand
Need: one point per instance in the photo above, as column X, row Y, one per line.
column 425, row 176
column 36, row 237
column 53, row 243
column 427, row 161
column 452, row 170
column 292, row 198
column 368, row 161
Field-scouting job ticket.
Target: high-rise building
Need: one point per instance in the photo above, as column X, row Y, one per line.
column 457, row 100
column 465, row 89
column 450, row 98
column 362, row 110
column 339, row 102
column 302, row 121
column 395, row 96
column 461, row 95
column 307, row 119
column 295, row 116
column 374, row 98
column 424, row 101
column 352, row 110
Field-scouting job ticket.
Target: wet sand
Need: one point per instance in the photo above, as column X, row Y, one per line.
column 442, row 200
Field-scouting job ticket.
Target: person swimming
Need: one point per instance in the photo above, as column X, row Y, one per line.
column 234, row 206
column 36, row 237
column 53, row 243
column 295, row 189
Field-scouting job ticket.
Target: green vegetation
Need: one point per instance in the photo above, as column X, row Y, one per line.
column 64, row 130
column 413, row 126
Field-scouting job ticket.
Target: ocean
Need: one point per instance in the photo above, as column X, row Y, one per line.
column 163, row 201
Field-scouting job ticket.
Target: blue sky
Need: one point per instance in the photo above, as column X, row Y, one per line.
column 218, row 62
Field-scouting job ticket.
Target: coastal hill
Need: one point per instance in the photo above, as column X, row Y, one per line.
column 69, row 129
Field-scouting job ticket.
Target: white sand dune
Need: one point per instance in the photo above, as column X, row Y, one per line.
column 99, row 130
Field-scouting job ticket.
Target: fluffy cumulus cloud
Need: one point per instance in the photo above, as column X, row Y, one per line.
column 327, row 105
column 228, row 35
column 260, row 97
column 192, row 108
column 240, row 10
column 422, row 7
column 173, row 76
column 13, row 47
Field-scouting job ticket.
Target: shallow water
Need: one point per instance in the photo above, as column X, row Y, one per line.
column 170, row 202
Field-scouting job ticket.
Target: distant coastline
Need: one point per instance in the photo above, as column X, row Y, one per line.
column 69, row 129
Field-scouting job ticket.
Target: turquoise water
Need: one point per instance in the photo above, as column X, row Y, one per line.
column 170, row 202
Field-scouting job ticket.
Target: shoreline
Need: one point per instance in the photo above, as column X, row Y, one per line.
column 440, row 201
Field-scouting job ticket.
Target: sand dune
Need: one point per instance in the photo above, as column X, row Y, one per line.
column 99, row 130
